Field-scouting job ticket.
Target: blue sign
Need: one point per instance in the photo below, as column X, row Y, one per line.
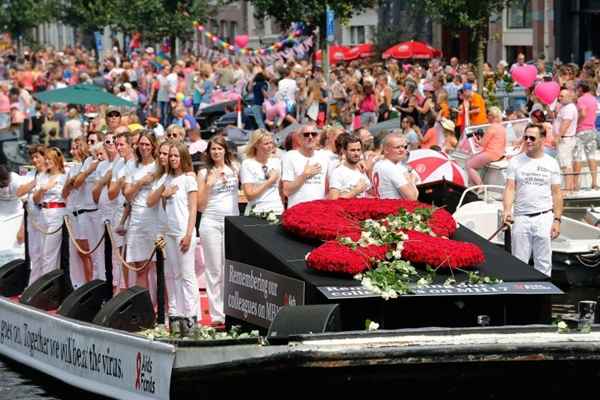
column 330, row 25
column 98, row 37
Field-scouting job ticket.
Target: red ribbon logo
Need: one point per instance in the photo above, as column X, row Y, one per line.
column 138, row 371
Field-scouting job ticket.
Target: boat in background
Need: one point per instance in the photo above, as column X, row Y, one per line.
column 576, row 252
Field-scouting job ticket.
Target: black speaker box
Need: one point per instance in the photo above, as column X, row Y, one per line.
column 85, row 302
column 130, row 311
column 296, row 320
column 14, row 276
column 48, row 292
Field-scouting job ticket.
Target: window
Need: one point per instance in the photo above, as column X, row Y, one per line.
column 357, row 34
column 519, row 14
column 232, row 30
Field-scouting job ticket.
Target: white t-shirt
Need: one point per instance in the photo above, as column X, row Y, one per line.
column 122, row 169
column 103, row 201
column 73, row 128
column 32, row 210
column 533, row 177
column 86, row 200
column 224, row 196
column 314, row 187
column 161, row 213
column 74, row 198
column 9, row 202
column 344, row 179
column 388, row 178
column 54, row 194
column 138, row 173
column 253, row 172
column 287, row 89
column 176, row 206
column 569, row 112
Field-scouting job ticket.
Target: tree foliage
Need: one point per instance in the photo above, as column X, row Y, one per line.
column 311, row 12
column 19, row 16
column 87, row 15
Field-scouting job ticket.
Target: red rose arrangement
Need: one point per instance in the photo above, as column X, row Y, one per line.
column 359, row 233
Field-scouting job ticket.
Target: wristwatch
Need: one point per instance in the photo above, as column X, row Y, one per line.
column 557, row 219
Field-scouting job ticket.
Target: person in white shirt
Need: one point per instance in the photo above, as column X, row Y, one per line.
column 304, row 170
column 48, row 195
column 37, row 153
column 218, row 197
column 287, row 88
column 391, row 179
column 260, row 175
column 142, row 219
column 565, row 128
column 73, row 127
column 533, row 185
column 178, row 197
column 348, row 180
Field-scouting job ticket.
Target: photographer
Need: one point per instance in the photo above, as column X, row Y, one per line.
column 492, row 144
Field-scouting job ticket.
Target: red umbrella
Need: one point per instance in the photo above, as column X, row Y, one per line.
column 411, row 50
column 364, row 50
column 336, row 54
column 434, row 166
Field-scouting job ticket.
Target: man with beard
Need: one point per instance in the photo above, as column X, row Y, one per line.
column 348, row 180
column 533, row 184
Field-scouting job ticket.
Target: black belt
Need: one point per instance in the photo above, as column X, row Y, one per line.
column 536, row 214
column 79, row 212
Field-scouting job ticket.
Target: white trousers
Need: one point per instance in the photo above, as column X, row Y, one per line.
column 35, row 249
column 212, row 239
column 533, row 234
column 51, row 220
column 180, row 279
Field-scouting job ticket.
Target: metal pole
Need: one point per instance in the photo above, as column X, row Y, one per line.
column 64, row 258
column 108, row 265
column 160, row 286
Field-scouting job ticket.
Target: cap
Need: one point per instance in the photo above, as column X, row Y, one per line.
column 467, row 86
column 112, row 109
column 447, row 124
column 134, row 127
column 150, row 50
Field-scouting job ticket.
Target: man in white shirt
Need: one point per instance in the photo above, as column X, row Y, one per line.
column 533, row 185
column 348, row 180
column 391, row 179
column 305, row 170
column 564, row 128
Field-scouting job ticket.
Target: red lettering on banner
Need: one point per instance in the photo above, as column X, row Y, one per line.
column 138, row 371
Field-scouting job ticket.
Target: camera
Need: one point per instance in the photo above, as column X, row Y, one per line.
column 479, row 133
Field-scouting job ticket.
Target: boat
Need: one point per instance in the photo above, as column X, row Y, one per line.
column 576, row 252
column 423, row 339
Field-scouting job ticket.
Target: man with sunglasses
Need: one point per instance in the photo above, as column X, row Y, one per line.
column 533, row 185
column 305, row 170
column 113, row 118
column 391, row 179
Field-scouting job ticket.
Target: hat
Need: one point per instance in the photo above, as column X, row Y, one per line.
column 150, row 50
column 112, row 109
column 447, row 124
column 134, row 127
column 467, row 86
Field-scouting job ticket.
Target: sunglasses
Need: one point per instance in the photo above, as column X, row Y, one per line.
column 529, row 138
column 265, row 171
column 172, row 135
column 313, row 134
column 108, row 142
column 91, row 141
column 113, row 115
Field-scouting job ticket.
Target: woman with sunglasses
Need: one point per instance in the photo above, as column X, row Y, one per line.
column 108, row 156
column 176, row 196
column 218, row 197
column 141, row 232
column 48, row 196
column 260, row 175
column 37, row 154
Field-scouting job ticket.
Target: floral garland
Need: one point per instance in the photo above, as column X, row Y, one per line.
column 361, row 233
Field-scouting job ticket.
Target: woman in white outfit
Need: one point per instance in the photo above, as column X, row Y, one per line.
column 261, row 174
column 218, row 197
column 80, row 264
column 48, row 195
column 141, row 232
column 37, row 153
column 177, row 196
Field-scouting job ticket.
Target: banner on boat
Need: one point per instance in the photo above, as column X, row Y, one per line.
column 465, row 289
column 255, row 295
column 96, row 359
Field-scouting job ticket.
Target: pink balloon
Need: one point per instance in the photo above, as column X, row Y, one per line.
column 241, row 41
column 547, row 92
column 525, row 75
column 273, row 111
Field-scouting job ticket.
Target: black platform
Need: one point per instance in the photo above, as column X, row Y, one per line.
column 253, row 241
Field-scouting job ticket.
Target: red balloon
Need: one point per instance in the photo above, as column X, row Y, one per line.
column 241, row 41
column 524, row 75
column 547, row 92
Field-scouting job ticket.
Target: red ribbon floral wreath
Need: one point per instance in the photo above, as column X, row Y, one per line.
column 330, row 220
